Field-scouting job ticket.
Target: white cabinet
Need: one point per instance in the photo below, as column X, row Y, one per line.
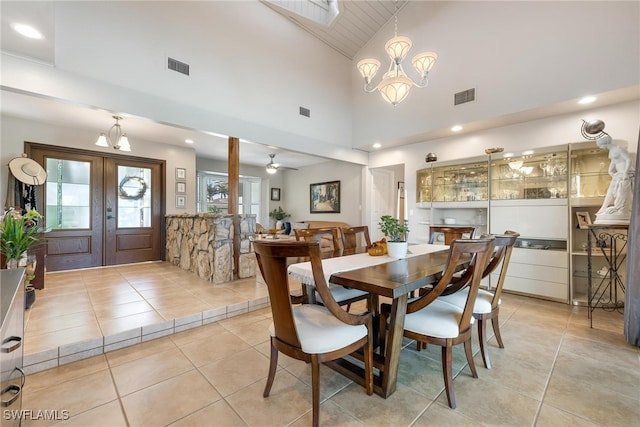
column 538, row 272
column 545, row 219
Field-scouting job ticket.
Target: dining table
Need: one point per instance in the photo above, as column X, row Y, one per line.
column 386, row 277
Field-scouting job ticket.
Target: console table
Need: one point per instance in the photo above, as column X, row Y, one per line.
column 608, row 241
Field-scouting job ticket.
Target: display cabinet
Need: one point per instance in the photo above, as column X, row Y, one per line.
column 461, row 183
column 539, row 176
column 589, row 174
column 423, row 185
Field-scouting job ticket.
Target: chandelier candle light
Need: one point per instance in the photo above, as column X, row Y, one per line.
column 395, row 84
column 116, row 135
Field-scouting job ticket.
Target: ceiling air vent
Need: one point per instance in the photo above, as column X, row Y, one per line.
column 305, row 112
column 464, row 96
column 181, row 67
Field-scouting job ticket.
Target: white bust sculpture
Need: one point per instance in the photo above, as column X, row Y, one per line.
column 616, row 207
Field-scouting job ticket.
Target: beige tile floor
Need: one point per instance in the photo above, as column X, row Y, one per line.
column 553, row 371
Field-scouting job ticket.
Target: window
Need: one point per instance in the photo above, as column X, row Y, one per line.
column 68, row 194
column 213, row 193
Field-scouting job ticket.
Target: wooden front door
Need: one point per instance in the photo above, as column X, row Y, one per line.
column 99, row 209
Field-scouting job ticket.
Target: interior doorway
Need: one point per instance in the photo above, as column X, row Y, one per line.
column 100, row 209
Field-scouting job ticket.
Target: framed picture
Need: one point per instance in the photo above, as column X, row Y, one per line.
column 181, row 174
column 181, row 202
column 584, row 219
column 181, row 187
column 275, row 194
column 324, row 197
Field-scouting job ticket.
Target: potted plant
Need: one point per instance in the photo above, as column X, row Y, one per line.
column 278, row 215
column 18, row 234
column 396, row 236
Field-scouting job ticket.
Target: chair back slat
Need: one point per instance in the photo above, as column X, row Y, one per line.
column 350, row 238
column 505, row 243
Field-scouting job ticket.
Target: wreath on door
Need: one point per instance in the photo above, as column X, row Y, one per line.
column 132, row 188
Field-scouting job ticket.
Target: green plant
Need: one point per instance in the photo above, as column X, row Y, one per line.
column 18, row 233
column 279, row 214
column 392, row 229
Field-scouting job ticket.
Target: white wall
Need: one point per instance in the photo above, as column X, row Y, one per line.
column 296, row 187
column 622, row 123
column 16, row 131
column 518, row 55
column 251, row 69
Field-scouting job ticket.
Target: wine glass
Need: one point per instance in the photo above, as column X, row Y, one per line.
column 544, row 166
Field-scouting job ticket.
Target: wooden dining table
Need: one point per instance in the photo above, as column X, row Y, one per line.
column 383, row 277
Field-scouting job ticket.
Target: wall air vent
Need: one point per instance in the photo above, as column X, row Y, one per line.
column 464, row 96
column 175, row 65
column 305, row 112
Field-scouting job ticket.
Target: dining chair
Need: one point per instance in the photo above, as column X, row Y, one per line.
column 327, row 237
column 350, row 238
column 310, row 332
column 436, row 322
column 450, row 232
column 344, row 296
column 487, row 304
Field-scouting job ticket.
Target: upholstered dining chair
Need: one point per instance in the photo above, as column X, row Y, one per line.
column 310, row 332
column 487, row 305
column 350, row 238
column 327, row 237
column 450, row 232
column 432, row 321
column 344, row 296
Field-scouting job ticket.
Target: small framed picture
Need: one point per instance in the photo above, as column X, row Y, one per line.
column 181, row 202
column 275, row 194
column 181, row 187
column 584, row 219
column 181, row 174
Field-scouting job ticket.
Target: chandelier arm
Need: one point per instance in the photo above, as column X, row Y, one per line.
column 424, row 83
column 368, row 88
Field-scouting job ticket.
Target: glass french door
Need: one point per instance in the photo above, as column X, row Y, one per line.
column 99, row 210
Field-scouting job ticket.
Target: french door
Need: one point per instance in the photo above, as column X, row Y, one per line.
column 99, row 209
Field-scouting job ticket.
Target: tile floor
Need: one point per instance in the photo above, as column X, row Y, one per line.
column 553, row 371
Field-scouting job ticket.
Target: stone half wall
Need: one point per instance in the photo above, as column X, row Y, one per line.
column 203, row 244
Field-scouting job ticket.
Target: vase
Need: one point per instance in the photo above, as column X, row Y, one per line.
column 29, row 296
column 279, row 225
column 397, row 250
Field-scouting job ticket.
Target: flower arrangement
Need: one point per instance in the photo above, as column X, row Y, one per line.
column 392, row 229
column 18, row 233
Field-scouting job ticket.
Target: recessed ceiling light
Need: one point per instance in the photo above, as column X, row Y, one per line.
column 507, row 155
column 587, row 100
column 377, row 145
column 528, row 152
column 27, row 31
column 456, row 128
column 189, row 141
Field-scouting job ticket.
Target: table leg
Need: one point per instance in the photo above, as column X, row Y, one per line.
column 393, row 345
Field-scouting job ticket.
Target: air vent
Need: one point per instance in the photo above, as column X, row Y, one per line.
column 305, row 112
column 464, row 96
column 178, row 66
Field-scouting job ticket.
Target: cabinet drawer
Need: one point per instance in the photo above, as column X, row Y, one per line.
column 539, row 257
column 539, row 272
column 551, row 290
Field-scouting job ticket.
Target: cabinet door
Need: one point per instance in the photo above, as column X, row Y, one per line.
column 541, row 222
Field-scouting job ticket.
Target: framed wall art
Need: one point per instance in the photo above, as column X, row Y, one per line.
column 181, row 187
column 324, row 197
column 275, row 194
column 181, row 202
column 181, row 174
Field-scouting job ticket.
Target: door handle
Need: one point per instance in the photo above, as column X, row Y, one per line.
column 111, row 217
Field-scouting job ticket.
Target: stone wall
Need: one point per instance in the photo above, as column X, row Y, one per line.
column 203, row 244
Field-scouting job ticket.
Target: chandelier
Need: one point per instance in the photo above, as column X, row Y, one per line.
column 114, row 137
column 395, row 84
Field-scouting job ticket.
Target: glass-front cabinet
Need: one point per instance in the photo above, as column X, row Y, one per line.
column 589, row 174
column 423, row 185
column 461, row 183
column 539, row 176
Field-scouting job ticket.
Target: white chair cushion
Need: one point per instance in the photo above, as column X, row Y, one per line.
column 459, row 299
column 439, row 319
column 340, row 293
column 320, row 331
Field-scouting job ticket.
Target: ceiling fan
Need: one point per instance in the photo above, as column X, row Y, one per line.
column 273, row 167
